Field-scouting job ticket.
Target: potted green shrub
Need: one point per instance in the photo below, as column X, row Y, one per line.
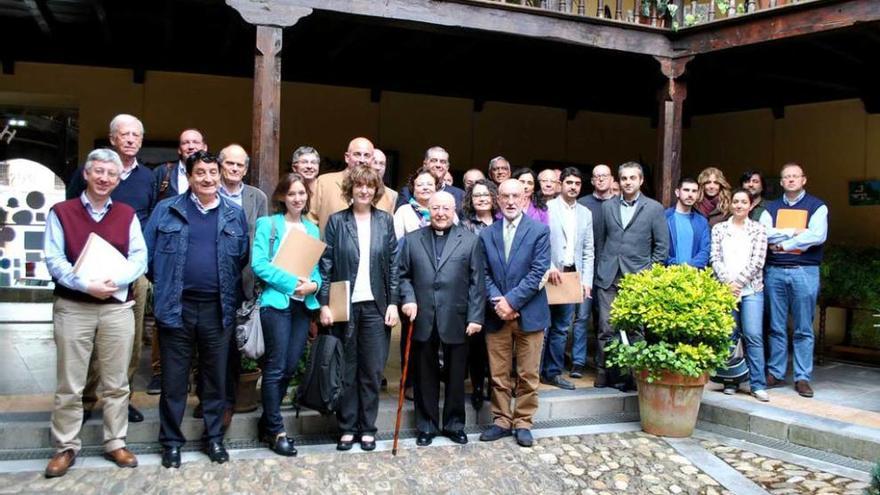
column 685, row 315
column 850, row 279
column 246, row 397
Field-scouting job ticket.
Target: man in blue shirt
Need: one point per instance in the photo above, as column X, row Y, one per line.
column 689, row 232
column 797, row 226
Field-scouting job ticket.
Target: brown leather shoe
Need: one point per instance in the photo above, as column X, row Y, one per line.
column 122, row 457
column 803, row 388
column 773, row 382
column 60, row 463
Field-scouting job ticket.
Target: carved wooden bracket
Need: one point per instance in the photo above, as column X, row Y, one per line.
column 269, row 12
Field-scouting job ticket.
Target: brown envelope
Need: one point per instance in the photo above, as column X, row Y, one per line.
column 791, row 219
column 339, row 300
column 570, row 291
column 298, row 253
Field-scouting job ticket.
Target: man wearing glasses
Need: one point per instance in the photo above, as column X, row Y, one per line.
column 797, row 226
column 437, row 161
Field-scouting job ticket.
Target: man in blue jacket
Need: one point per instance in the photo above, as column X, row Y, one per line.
column 689, row 232
column 198, row 246
column 517, row 251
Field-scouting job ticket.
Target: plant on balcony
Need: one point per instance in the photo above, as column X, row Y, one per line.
column 664, row 9
column 685, row 315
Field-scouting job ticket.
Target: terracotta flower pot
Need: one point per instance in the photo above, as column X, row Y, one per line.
column 246, row 394
column 668, row 407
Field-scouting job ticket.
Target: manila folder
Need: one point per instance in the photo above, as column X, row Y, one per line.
column 99, row 260
column 569, row 291
column 298, row 253
column 791, row 219
column 339, row 300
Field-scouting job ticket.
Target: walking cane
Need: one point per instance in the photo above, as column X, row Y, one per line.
column 402, row 388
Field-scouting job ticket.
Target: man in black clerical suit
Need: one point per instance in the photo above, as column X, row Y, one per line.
column 443, row 291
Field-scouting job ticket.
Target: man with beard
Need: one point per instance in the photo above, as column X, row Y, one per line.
column 753, row 182
column 689, row 233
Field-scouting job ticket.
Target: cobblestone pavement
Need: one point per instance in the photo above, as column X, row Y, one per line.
column 630, row 462
column 782, row 478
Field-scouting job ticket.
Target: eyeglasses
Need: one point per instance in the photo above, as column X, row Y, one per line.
column 481, row 195
column 792, row 176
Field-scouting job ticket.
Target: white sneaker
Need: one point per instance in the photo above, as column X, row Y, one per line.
column 729, row 389
column 761, row 395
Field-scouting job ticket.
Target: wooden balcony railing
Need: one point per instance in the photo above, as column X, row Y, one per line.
column 669, row 14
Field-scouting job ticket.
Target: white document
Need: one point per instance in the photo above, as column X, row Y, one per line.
column 99, row 260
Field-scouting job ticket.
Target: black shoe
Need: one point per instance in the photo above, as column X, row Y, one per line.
column 457, row 436
column 424, row 439
column 217, row 452
column 477, row 399
column 601, row 380
column 368, row 444
column 384, row 384
column 627, row 385
column 87, row 415
column 198, row 412
column 171, row 457
column 155, row 385
column 558, row 381
column 524, row 437
column 345, row 444
column 134, row 416
column 494, row 433
column 282, row 445
column 577, row 371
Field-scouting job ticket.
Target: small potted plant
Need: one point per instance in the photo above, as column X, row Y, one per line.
column 246, row 397
column 686, row 317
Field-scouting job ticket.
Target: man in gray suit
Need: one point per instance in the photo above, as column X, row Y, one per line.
column 443, row 290
column 632, row 237
column 571, row 250
column 234, row 162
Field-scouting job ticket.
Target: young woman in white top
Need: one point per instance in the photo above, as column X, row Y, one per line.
column 739, row 246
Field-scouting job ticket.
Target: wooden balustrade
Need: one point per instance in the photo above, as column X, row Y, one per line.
column 646, row 12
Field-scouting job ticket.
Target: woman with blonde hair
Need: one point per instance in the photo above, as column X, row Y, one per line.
column 714, row 200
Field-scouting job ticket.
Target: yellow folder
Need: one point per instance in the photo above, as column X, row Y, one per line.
column 569, row 291
column 340, row 300
column 298, row 253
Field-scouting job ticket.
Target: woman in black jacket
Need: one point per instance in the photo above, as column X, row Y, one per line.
column 361, row 248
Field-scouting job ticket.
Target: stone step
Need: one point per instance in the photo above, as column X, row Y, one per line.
column 27, row 434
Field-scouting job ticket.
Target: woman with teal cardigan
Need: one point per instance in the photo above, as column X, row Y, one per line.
column 284, row 305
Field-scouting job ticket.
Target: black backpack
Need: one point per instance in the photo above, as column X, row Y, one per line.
column 321, row 388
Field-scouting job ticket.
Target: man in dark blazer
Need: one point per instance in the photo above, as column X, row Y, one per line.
column 443, row 290
column 171, row 177
column 633, row 236
column 517, row 253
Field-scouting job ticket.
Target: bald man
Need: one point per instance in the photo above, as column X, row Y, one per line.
column 380, row 163
column 328, row 198
column 171, row 177
column 443, row 290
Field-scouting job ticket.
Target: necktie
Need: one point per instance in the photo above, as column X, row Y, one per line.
column 509, row 232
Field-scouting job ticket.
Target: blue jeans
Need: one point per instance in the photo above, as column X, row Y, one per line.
column 579, row 333
column 553, row 359
column 792, row 290
column 749, row 325
column 285, row 332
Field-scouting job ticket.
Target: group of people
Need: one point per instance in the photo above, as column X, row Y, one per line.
column 466, row 269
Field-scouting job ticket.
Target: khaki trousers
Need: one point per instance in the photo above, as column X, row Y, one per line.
column 139, row 288
column 502, row 345
column 80, row 328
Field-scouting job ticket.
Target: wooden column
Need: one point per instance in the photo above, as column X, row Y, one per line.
column 669, row 124
column 267, row 109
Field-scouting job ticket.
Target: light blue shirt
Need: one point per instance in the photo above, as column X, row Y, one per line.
column 62, row 270
column 628, row 209
column 684, row 238
column 234, row 197
column 816, row 233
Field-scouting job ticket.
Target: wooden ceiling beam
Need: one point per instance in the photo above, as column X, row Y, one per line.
column 101, row 14
column 793, row 21
column 42, row 15
column 482, row 15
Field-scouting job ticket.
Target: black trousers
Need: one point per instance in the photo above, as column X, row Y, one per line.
column 478, row 361
column 203, row 331
column 366, row 350
column 427, row 384
column 607, row 333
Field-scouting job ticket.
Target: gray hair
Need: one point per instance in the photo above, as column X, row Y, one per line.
column 121, row 119
column 221, row 158
column 497, row 159
column 435, row 148
column 635, row 165
column 105, row 155
column 304, row 150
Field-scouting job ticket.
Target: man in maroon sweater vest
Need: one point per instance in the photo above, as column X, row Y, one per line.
column 84, row 305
